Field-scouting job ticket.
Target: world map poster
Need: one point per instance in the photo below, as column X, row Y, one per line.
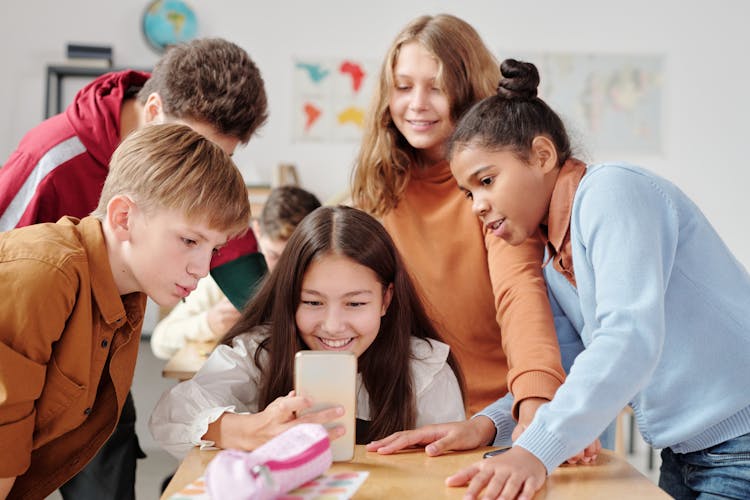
column 610, row 103
column 331, row 97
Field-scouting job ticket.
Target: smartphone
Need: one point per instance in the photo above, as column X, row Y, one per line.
column 495, row 452
column 329, row 379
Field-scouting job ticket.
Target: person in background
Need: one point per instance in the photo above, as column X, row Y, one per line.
column 207, row 314
column 69, row 338
column 59, row 167
column 339, row 285
column 487, row 299
column 639, row 275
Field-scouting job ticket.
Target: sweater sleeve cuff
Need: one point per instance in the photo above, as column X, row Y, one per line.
column 544, row 445
column 532, row 384
column 15, row 453
column 500, row 414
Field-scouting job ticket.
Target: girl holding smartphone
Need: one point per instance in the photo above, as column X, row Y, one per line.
column 339, row 285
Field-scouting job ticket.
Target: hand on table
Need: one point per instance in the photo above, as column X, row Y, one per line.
column 588, row 455
column 221, row 317
column 249, row 431
column 527, row 410
column 439, row 438
column 514, row 474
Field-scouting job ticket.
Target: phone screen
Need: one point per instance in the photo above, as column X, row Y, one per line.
column 329, row 379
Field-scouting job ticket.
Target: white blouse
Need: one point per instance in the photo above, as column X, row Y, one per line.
column 229, row 382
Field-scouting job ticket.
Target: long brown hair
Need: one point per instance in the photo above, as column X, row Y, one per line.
column 467, row 73
column 385, row 365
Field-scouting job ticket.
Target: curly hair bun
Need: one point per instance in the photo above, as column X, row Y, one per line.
column 519, row 81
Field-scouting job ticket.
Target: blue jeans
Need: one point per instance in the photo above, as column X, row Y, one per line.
column 721, row 471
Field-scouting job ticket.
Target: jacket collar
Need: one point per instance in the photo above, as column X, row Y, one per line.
column 558, row 219
column 115, row 309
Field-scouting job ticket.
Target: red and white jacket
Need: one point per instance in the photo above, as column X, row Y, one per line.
column 60, row 165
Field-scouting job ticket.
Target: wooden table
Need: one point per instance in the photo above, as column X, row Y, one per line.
column 187, row 360
column 412, row 474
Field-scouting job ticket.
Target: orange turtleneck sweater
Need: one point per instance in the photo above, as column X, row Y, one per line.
column 487, row 299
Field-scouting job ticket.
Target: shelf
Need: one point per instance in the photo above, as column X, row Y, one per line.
column 56, row 73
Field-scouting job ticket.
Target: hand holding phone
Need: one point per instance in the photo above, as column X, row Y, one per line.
column 329, row 379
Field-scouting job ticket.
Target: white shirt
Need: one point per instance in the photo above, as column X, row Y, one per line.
column 229, row 382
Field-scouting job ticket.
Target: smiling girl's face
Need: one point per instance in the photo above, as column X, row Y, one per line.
column 419, row 106
column 341, row 304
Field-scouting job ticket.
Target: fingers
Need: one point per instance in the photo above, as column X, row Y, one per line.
column 324, row 416
column 486, row 479
column 404, row 439
column 491, row 483
column 588, row 455
column 382, row 443
column 286, row 408
column 530, row 487
column 336, row 432
column 591, row 452
column 446, row 443
column 463, row 476
column 517, row 473
column 575, row 459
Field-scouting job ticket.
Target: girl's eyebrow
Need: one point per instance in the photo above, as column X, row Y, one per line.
column 480, row 170
column 410, row 77
column 474, row 174
column 348, row 294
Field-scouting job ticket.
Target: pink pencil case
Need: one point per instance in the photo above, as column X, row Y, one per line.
column 287, row 461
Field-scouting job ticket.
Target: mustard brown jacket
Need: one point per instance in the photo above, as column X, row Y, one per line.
column 68, row 347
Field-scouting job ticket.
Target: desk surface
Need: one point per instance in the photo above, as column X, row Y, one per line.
column 187, row 360
column 413, row 474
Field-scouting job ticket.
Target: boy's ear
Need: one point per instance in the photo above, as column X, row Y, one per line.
column 387, row 296
column 119, row 213
column 544, row 153
column 153, row 110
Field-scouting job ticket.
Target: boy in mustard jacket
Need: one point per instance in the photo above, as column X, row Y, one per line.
column 76, row 293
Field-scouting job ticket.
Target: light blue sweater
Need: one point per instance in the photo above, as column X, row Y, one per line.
column 663, row 310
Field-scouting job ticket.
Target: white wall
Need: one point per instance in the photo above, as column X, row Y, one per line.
column 705, row 49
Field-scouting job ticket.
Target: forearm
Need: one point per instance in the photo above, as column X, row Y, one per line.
column 485, row 429
column 6, row 483
column 232, row 430
column 525, row 318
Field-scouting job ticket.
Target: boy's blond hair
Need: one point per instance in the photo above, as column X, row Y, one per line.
column 173, row 167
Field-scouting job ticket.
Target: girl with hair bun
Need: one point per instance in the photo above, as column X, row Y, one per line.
column 636, row 273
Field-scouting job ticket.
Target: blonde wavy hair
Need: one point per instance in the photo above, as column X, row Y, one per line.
column 467, row 71
column 173, row 167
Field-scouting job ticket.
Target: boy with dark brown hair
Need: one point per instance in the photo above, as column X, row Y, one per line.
column 58, row 168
